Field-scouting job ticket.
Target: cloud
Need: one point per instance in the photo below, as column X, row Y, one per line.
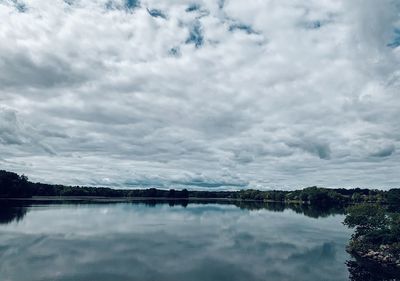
column 313, row 146
column 24, row 71
column 201, row 94
column 9, row 128
column 18, row 136
column 385, row 151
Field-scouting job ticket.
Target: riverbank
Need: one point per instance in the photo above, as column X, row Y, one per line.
column 128, row 199
column 384, row 255
column 376, row 239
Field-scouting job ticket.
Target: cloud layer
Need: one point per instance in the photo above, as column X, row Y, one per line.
column 201, row 94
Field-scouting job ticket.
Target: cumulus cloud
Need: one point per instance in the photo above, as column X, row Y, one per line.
column 201, row 94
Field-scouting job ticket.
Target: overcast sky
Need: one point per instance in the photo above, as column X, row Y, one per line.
column 202, row 93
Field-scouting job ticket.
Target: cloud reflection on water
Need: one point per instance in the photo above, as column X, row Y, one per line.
column 199, row 242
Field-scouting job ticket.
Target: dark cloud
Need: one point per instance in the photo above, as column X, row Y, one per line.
column 210, row 184
column 9, row 127
column 395, row 42
column 316, row 147
column 384, row 152
column 24, row 71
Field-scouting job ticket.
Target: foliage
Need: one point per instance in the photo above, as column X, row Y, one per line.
column 13, row 185
column 374, row 226
column 366, row 219
column 393, row 197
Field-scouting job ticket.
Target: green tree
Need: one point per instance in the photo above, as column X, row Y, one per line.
column 366, row 218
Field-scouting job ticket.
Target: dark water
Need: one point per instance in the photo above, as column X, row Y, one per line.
column 171, row 241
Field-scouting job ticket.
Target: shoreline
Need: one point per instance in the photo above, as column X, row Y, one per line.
column 193, row 199
column 128, row 199
column 376, row 259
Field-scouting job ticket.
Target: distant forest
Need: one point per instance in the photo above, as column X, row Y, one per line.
column 13, row 185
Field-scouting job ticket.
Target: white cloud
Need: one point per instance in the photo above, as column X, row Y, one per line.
column 226, row 93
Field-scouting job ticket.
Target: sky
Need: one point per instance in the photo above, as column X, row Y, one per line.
column 201, row 94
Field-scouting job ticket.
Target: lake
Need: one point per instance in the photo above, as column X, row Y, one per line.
column 73, row 241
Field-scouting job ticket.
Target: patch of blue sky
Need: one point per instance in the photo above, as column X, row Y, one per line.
column 193, row 7
column 243, row 27
column 128, row 5
column 131, row 4
column 195, row 35
column 315, row 24
column 19, row 6
column 156, row 13
column 175, row 51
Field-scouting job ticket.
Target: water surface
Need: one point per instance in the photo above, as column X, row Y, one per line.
column 142, row 241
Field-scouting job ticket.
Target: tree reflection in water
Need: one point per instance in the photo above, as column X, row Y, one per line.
column 365, row 271
column 12, row 211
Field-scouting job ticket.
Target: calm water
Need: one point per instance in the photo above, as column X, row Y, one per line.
column 142, row 241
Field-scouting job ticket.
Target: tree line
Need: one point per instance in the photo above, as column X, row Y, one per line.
column 13, row 185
